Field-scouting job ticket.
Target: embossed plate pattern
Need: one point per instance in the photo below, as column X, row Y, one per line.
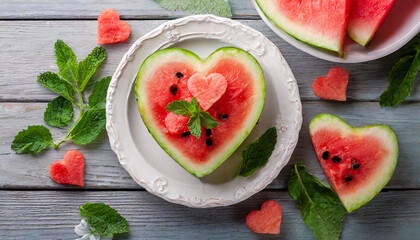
column 150, row 166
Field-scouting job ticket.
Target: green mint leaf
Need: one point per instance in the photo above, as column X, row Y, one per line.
column 63, row 54
column 401, row 80
column 194, row 125
column 59, row 112
column 256, row 154
column 32, row 140
column 89, row 126
column 53, row 82
column 207, row 120
column 87, row 67
column 320, row 206
column 98, row 96
column 216, row 7
column 70, row 72
column 103, row 219
column 179, row 107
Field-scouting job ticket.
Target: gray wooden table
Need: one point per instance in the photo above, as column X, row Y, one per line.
column 32, row 206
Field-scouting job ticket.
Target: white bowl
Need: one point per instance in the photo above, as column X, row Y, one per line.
column 400, row 26
column 150, row 166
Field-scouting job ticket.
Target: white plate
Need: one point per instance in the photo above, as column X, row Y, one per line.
column 400, row 26
column 150, row 166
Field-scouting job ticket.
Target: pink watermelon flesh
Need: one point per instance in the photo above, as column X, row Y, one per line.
column 321, row 23
column 111, row 29
column 358, row 162
column 332, row 87
column 69, row 170
column 365, row 18
column 238, row 109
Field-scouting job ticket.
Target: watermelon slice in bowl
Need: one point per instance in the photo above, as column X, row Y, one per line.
column 150, row 166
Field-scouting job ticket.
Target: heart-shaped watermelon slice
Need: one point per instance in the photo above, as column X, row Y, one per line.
column 164, row 77
column 358, row 162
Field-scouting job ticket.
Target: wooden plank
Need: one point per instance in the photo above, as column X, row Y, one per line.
column 128, row 9
column 22, row 171
column 31, row 52
column 53, row 215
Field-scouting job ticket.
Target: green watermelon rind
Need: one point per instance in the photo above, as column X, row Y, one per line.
column 327, row 120
column 161, row 140
column 339, row 51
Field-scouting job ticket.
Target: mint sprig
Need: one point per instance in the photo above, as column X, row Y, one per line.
column 256, row 154
column 103, row 219
column 402, row 75
column 70, row 82
column 197, row 116
column 320, row 206
column 216, row 7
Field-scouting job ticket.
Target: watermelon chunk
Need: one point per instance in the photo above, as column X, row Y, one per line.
column 321, row 23
column 70, row 170
column 333, row 86
column 267, row 220
column 111, row 29
column 358, row 162
column 233, row 92
column 365, row 18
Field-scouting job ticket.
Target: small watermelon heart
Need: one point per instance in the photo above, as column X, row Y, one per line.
column 267, row 220
column 70, row 170
column 111, row 29
column 333, row 86
column 208, row 89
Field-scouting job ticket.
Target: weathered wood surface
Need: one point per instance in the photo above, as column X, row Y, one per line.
column 53, row 215
column 31, row 52
column 89, row 9
column 104, row 172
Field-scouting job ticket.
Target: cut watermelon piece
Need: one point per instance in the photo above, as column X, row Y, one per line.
column 333, row 86
column 70, row 170
column 267, row 220
column 321, row 23
column 365, row 18
column 164, row 77
column 111, row 29
column 358, row 162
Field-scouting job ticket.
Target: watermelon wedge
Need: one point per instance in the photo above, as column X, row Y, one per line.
column 365, row 18
column 320, row 23
column 229, row 85
column 358, row 162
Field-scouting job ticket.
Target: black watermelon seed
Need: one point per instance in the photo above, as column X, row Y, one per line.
column 355, row 166
column 185, row 134
column 178, row 75
column 223, row 116
column 208, row 132
column 173, row 89
column 209, row 142
column 348, row 178
column 325, row 155
column 336, row 159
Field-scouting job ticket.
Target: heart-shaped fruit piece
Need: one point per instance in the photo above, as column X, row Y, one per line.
column 110, row 28
column 267, row 220
column 228, row 85
column 208, row 89
column 333, row 86
column 70, row 170
column 358, row 162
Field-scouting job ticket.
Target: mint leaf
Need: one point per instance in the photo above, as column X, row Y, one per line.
column 401, row 80
column 98, row 96
column 256, row 154
column 87, row 67
column 103, row 219
column 32, row 140
column 69, row 72
column 216, row 7
column 207, row 120
column 63, row 55
column 180, row 107
column 59, row 112
column 320, row 206
column 89, row 126
column 194, row 125
column 53, row 82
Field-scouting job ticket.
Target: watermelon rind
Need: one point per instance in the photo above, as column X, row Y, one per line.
column 160, row 56
column 385, row 171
